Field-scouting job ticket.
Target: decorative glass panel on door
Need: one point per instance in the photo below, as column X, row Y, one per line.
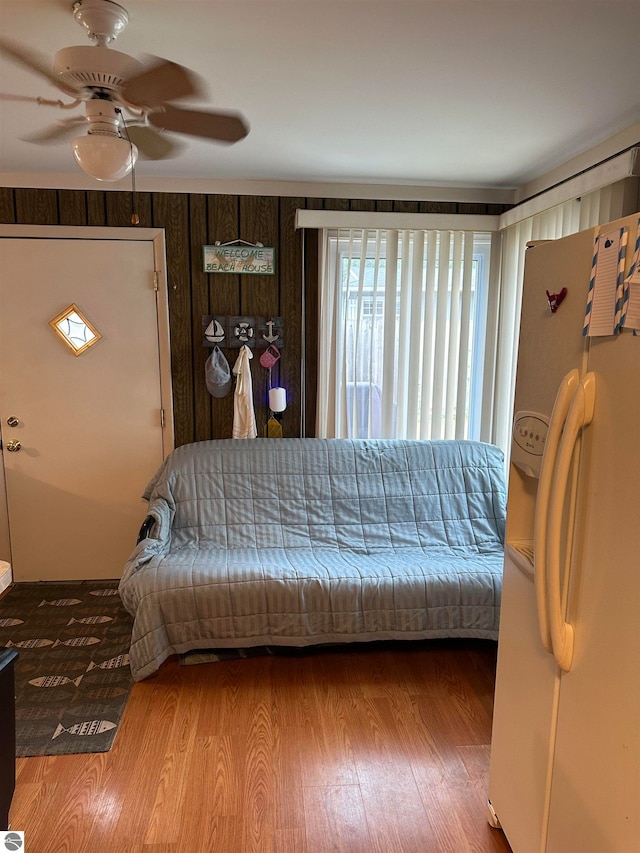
column 75, row 329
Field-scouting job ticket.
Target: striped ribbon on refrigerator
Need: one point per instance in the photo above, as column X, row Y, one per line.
column 622, row 286
column 634, row 266
column 592, row 283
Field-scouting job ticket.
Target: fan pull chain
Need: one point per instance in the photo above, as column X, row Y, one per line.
column 135, row 219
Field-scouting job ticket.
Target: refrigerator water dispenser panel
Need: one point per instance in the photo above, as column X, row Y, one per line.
column 528, row 440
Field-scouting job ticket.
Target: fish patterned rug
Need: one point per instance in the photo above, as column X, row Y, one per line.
column 72, row 674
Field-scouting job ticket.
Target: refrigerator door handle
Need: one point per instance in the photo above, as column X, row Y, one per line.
column 580, row 415
column 564, row 396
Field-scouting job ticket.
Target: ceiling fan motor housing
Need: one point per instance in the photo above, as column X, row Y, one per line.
column 94, row 68
column 103, row 20
column 103, row 117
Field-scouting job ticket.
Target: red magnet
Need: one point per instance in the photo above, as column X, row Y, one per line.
column 555, row 299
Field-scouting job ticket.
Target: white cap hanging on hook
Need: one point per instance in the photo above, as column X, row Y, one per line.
column 217, row 374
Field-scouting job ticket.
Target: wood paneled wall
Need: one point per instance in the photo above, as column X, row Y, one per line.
column 191, row 221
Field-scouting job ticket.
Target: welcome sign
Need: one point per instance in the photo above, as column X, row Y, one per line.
column 240, row 260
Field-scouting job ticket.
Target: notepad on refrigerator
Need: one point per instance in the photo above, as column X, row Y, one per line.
column 605, row 301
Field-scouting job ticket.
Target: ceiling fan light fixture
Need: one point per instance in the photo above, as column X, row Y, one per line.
column 104, row 156
column 110, row 83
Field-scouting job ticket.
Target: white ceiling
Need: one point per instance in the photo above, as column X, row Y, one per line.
column 474, row 93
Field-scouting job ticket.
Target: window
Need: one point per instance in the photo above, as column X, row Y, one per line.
column 403, row 318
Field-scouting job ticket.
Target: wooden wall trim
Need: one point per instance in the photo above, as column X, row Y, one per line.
column 189, row 222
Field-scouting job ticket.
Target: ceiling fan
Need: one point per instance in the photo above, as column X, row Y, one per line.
column 128, row 103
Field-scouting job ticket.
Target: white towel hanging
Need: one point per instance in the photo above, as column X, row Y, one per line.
column 244, row 419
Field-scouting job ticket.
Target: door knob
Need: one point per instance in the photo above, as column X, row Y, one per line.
column 13, row 422
column 13, row 446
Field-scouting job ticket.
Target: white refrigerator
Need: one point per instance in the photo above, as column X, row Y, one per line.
column 565, row 754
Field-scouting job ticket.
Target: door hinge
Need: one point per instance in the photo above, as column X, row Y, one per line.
column 161, row 418
column 156, row 280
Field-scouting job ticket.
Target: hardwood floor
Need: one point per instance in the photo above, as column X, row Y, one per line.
column 373, row 750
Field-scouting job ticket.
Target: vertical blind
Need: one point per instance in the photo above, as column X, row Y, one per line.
column 403, row 318
column 419, row 327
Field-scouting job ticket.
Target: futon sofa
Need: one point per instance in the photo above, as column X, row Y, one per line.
column 293, row 542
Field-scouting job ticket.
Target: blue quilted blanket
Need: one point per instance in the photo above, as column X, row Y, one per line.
column 303, row 541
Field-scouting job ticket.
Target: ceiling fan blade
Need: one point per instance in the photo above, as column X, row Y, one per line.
column 161, row 81
column 152, row 145
column 62, row 131
column 35, row 62
column 222, row 127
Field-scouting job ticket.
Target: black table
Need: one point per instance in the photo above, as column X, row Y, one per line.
column 7, row 734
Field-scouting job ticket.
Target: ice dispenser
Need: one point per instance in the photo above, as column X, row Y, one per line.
column 528, row 439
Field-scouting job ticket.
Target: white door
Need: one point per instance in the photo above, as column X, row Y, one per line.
column 81, row 434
